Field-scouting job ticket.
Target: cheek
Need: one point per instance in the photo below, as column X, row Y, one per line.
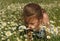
column 36, row 24
column 33, row 26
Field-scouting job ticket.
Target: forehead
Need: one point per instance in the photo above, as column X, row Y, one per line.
column 31, row 20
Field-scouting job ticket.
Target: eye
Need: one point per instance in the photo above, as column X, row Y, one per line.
column 32, row 23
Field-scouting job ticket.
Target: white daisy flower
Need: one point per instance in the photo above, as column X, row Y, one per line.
column 6, row 28
column 52, row 21
column 9, row 28
column 48, row 37
column 32, row 39
column 2, row 27
column 21, row 36
column 4, row 24
column 18, row 39
column 14, row 32
column 21, row 30
column 8, row 22
column 58, row 27
column 52, row 29
column 1, row 32
column 56, row 30
column 13, row 23
column 13, row 28
column 8, row 33
column 22, row 27
column 25, row 36
column 2, row 38
column 26, row 39
column 2, row 35
column 8, row 7
column 8, row 39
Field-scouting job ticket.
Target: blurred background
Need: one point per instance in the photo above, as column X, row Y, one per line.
column 11, row 17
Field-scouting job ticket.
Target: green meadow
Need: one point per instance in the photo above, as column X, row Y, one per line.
column 11, row 16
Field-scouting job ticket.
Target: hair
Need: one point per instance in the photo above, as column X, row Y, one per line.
column 43, row 10
column 32, row 9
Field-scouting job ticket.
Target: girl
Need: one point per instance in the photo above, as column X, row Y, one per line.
column 34, row 17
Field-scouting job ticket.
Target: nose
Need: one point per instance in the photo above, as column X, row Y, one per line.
column 31, row 26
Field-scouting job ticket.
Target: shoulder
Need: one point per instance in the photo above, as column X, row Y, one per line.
column 45, row 18
column 45, row 15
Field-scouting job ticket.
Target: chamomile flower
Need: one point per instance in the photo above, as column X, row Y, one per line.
column 48, row 37
column 8, row 33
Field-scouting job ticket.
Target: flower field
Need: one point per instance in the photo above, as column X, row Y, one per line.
column 11, row 18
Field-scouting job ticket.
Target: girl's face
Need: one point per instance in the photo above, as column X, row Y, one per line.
column 32, row 22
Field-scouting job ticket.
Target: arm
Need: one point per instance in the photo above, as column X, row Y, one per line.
column 46, row 20
column 46, row 23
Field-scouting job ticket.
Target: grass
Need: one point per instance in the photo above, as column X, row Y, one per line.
column 11, row 17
